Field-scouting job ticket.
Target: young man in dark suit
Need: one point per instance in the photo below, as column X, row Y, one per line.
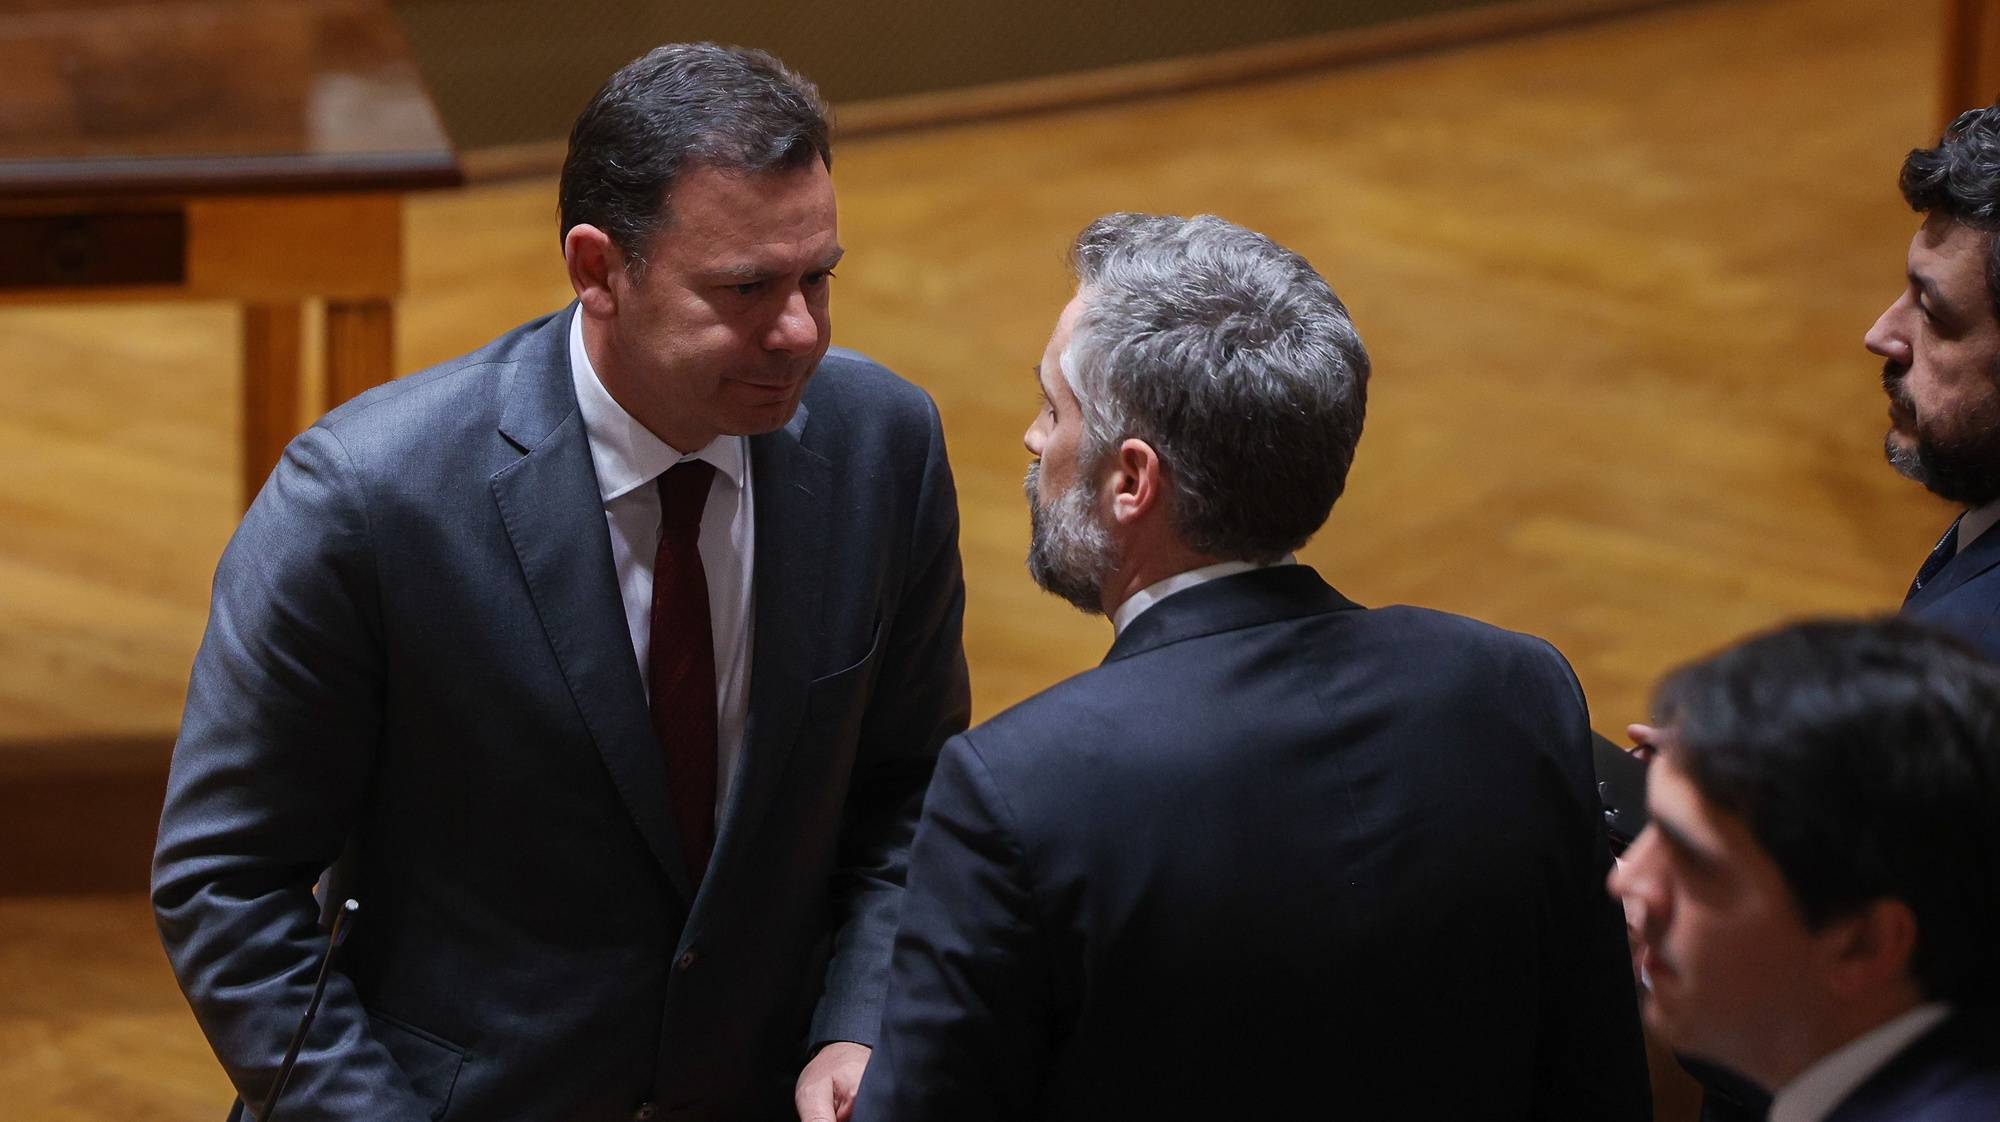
column 1280, row 855
column 616, row 655
column 1817, row 895
column 1940, row 345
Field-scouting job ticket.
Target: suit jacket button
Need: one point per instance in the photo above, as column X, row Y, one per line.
column 686, row 960
column 645, row 1113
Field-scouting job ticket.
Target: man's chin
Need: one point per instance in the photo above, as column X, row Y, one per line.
column 1901, row 452
column 759, row 419
column 1968, row 479
column 1082, row 595
column 1661, row 1020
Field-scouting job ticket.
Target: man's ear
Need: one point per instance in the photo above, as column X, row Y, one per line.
column 1871, row 949
column 1137, row 481
column 596, row 269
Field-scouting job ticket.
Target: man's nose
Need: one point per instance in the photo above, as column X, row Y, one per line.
column 795, row 331
column 1886, row 336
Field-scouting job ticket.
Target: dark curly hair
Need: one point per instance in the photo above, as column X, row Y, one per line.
column 1960, row 179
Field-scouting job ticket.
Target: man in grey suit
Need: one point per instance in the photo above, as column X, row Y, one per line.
column 1280, row 856
column 614, row 656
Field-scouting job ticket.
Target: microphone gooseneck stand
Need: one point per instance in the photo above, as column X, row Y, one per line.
column 343, row 922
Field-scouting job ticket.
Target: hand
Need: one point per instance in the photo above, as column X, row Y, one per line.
column 1645, row 740
column 830, row 1082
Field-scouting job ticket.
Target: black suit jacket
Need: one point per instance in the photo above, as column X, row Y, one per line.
column 417, row 651
column 1277, row 853
column 1949, row 1074
column 1964, row 597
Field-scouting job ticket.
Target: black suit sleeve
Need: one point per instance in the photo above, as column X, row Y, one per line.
column 966, row 1034
column 270, row 770
column 921, row 696
column 1593, row 1065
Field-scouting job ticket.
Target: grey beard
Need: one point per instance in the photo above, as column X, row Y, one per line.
column 1961, row 475
column 1069, row 554
column 1965, row 470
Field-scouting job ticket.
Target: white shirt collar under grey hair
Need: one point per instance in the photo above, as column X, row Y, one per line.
column 1181, row 582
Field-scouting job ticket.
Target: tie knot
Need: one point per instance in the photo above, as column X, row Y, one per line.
column 683, row 493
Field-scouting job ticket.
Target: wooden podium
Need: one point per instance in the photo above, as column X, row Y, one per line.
column 233, row 150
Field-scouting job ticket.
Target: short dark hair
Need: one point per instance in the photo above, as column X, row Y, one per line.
column 1234, row 359
column 1864, row 757
column 1960, row 179
column 678, row 107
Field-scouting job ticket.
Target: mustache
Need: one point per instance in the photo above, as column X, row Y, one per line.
column 1893, row 385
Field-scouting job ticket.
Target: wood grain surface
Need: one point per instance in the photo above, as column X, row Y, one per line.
column 1614, row 280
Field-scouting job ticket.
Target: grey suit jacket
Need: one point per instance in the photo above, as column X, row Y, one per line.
column 417, row 653
column 1964, row 597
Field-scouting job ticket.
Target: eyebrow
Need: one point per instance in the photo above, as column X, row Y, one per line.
column 1042, row 384
column 1679, row 840
column 747, row 272
column 1929, row 287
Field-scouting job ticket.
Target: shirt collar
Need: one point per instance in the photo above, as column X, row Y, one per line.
column 1833, row 1077
column 625, row 453
column 1976, row 522
column 1153, row 593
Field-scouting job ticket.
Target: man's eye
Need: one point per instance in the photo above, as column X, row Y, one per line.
column 747, row 288
column 815, row 280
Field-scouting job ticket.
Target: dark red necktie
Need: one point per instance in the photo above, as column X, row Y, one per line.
column 680, row 670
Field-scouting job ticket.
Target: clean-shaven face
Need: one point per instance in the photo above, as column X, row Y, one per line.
column 1724, row 956
column 728, row 321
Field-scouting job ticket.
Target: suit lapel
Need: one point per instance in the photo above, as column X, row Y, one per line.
column 790, row 484
column 554, row 516
column 1974, row 559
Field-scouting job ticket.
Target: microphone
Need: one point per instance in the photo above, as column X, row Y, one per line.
column 343, row 922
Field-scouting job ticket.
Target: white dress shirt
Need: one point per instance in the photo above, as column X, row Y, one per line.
column 628, row 458
column 1181, row 582
column 1826, row 1084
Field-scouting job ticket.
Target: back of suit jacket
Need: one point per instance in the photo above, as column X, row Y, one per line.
column 417, row 651
column 1277, row 853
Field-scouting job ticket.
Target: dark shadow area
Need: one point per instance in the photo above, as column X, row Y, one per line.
column 79, row 816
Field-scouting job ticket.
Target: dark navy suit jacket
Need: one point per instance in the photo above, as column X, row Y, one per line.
column 1949, row 1074
column 417, row 651
column 1277, row 854
column 1964, row 597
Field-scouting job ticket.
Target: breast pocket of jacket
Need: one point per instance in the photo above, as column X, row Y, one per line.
column 431, row 1062
column 836, row 702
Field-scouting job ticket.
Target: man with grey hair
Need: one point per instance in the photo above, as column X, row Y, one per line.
column 1279, row 855
column 615, row 656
